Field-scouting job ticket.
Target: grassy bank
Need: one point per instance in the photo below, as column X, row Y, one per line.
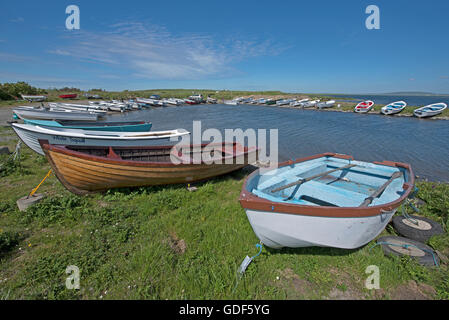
column 168, row 243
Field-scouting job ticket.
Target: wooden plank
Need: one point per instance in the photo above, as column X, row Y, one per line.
column 381, row 189
column 301, row 181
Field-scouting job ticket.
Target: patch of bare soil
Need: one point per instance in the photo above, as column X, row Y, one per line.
column 413, row 291
column 346, row 288
column 295, row 287
column 177, row 245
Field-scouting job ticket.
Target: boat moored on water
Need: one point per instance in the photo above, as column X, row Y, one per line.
column 430, row 110
column 394, row 107
column 328, row 200
column 364, row 106
column 114, row 167
column 30, row 134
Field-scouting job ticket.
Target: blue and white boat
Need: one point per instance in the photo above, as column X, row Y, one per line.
column 31, row 135
column 430, row 110
column 328, row 200
column 130, row 126
column 394, row 107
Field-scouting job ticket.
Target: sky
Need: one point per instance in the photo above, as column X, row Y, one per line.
column 291, row 46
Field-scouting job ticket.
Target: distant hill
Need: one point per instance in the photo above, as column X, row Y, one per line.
column 401, row 93
column 414, row 93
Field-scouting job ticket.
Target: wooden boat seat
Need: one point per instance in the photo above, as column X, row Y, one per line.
column 316, row 193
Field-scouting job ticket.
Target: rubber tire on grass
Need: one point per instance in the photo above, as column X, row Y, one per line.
column 426, row 259
column 415, row 233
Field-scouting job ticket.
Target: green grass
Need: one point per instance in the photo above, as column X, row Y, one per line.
column 168, row 243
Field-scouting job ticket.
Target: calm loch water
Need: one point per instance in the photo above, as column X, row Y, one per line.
column 422, row 143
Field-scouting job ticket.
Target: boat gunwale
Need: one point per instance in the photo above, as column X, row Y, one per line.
column 250, row 201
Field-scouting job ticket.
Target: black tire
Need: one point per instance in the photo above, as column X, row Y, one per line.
column 424, row 252
column 414, row 232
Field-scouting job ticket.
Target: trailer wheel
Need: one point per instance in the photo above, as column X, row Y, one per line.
column 399, row 246
column 422, row 231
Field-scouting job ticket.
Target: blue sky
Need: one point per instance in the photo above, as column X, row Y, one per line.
column 293, row 46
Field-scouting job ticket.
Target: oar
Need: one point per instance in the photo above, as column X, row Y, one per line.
column 300, row 181
column 378, row 192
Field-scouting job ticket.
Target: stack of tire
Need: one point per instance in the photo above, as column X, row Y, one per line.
column 415, row 232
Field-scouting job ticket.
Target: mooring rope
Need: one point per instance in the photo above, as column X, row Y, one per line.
column 245, row 263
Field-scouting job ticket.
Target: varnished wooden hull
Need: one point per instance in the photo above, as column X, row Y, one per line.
column 82, row 174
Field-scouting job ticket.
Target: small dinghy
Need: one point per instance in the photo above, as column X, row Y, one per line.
column 394, row 107
column 44, row 114
column 68, row 96
column 90, row 169
column 326, row 104
column 34, row 98
column 364, row 106
column 430, row 110
column 130, row 126
column 327, row 200
column 30, row 135
column 309, row 104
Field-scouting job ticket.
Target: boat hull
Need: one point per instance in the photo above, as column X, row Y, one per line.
column 97, row 126
column 430, row 110
column 393, row 108
column 53, row 115
column 323, row 214
column 83, row 173
column 364, row 107
column 278, row 230
column 31, row 139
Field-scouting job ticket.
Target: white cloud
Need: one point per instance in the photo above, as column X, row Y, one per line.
column 152, row 52
column 19, row 19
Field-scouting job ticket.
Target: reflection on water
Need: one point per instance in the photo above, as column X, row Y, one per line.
column 422, row 143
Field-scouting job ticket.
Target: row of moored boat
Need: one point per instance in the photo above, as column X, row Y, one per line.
column 362, row 107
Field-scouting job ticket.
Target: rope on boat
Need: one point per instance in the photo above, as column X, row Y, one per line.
column 245, row 263
column 411, row 205
column 35, row 189
column 406, row 246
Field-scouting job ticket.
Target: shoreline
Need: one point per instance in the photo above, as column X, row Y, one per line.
column 6, row 110
column 372, row 112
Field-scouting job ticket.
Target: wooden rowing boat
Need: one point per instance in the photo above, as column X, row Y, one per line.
column 394, row 107
column 430, row 110
column 53, row 114
column 364, row 106
column 31, row 134
column 327, row 200
column 68, row 96
column 90, row 169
